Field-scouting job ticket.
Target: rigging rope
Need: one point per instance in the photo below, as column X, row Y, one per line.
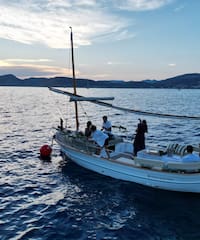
column 130, row 110
column 58, row 107
column 84, row 110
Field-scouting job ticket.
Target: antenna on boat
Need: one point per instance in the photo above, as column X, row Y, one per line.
column 74, row 80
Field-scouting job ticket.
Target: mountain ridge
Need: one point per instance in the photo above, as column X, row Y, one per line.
column 189, row 80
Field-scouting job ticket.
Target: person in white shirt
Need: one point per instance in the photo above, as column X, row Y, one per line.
column 190, row 157
column 100, row 138
column 107, row 127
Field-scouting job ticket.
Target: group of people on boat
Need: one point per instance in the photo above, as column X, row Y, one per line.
column 102, row 136
column 139, row 143
column 106, row 127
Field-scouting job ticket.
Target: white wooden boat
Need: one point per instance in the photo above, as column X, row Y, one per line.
column 150, row 168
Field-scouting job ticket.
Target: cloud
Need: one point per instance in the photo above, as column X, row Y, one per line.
column 47, row 22
column 172, row 64
column 27, row 60
column 179, row 8
column 141, row 5
column 24, row 68
column 101, row 76
column 117, row 63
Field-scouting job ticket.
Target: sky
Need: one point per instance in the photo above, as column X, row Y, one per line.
column 129, row 40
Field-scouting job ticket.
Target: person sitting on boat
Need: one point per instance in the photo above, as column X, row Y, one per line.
column 100, row 138
column 139, row 141
column 190, row 157
column 88, row 129
column 107, row 126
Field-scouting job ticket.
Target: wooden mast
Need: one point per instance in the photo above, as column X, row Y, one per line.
column 74, row 80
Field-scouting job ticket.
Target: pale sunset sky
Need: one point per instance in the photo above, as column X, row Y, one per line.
column 113, row 39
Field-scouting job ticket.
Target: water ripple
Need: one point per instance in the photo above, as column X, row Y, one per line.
column 59, row 200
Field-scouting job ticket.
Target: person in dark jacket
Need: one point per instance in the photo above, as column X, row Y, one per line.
column 139, row 141
column 88, row 129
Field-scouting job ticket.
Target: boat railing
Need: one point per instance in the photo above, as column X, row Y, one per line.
column 77, row 141
column 83, row 144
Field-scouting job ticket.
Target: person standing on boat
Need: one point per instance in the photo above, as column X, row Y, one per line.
column 107, row 126
column 139, row 141
column 100, row 138
column 190, row 157
column 88, row 129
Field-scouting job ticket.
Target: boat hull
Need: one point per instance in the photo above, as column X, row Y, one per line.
column 127, row 172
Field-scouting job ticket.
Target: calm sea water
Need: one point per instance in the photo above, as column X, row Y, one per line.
column 59, row 200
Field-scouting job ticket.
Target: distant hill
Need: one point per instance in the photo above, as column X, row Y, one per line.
column 191, row 80
column 182, row 81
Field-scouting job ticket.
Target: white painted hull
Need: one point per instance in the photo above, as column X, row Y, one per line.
column 148, row 177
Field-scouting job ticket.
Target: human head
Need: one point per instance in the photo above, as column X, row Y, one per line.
column 89, row 123
column 189, row 148
column 93, row 128
column 144, row 121
column 105, row 118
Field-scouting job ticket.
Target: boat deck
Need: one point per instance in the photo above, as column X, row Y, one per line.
column 156, row 162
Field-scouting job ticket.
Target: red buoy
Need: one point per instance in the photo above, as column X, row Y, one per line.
column 45, row 152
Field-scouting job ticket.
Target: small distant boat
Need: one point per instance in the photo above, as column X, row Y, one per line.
column 161, row 169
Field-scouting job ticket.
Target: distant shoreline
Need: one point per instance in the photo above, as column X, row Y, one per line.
column 186, row 81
